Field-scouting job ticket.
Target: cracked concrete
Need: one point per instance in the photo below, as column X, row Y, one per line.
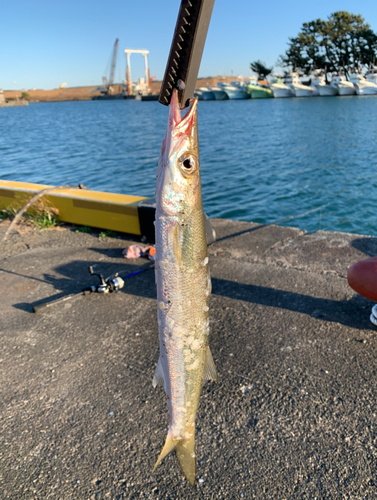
column 292, row 416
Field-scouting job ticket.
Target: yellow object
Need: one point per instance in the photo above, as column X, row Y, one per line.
column 117, row 212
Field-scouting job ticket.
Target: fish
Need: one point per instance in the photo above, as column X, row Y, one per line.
column 183, row 284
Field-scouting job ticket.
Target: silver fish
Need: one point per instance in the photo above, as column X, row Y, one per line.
column 183, row 284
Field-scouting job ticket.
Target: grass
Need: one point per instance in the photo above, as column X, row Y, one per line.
column 8, row 213
column 44, row 220
column 83, row 229
column 107, row 234
column 44, row 217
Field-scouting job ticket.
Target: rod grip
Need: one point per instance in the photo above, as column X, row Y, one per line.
column 42, row 307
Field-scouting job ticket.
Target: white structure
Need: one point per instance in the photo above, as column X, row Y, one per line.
column 364, row 86
column 280, row 89
column 299, row 89
column 144, row 53
column 342, row 85
column 234, row 90
column 327, row 90
column 372, row 75
column 317, row 81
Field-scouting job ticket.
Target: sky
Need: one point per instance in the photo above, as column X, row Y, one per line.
column 45, row 43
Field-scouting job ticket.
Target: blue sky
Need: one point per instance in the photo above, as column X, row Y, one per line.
column 45, row 43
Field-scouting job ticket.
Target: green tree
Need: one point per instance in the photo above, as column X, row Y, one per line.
column 342, row 43
column 260, row 69
column 25, row 95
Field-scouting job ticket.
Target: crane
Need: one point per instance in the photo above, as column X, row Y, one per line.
column 107, row 84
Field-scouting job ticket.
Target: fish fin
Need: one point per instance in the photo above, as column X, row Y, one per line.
column 185, row 451
column 174, row 239
column 158, row 378
column 169, row 446
column 210, row 372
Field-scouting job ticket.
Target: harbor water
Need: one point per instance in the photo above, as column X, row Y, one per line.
column 309, row 163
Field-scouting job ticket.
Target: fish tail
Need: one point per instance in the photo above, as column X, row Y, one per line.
column 185, row 451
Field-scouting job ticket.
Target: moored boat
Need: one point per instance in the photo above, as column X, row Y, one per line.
column 204, row 94
column 317, row 80
column 362, row 85
column 219, row 93
column 258, row 91
column 300, row 90
column 234, row 91
column 279, row 89
column 343, row 86
column 371, row 76
column 326, row 89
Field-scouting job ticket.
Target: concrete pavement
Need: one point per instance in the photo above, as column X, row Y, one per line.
column 292, row 416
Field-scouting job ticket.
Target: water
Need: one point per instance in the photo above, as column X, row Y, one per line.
column 261, row 160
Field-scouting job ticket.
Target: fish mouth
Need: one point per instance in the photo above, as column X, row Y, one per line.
column 177, row 123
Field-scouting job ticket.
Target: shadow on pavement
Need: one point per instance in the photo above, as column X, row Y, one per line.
column 366, row 245
column 78, row 278
column 347, row 312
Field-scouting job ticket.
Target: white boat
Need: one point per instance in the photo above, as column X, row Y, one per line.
column 279, row 89
column 364, row 86
column 327, row 89
column 204, row 94
column 372, row 75
column 299, row 89
column 342, row 85
column 219, row 93
column 234, row 91
column 317, row 81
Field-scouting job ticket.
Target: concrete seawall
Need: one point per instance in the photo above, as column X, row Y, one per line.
column 292, row 416
column 10, row 104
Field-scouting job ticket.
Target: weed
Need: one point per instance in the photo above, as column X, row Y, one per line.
column 83, row 229
column 107, row 234
column 44, row 220
column 8, row 213
column 41, row 215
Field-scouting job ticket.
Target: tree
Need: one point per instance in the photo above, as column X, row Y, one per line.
column 260, row 69
column 342, row 43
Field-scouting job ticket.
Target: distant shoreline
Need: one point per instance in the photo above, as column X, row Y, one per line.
column 87, row 93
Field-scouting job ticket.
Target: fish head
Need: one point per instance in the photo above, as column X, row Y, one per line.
column 178, row 190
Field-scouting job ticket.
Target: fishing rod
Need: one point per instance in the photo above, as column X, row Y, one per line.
column 186, row 51
column 112, row 284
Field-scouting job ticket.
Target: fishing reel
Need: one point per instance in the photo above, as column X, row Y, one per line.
column 111, row 284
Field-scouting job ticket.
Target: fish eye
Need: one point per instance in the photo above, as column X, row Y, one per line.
column 188, row 164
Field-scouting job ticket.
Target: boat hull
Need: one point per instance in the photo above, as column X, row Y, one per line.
column 220, row 95
column 302, row 90
column 259, row 92
column 366, row 89
column 204, row 95
column 236, row 93
column 346, row 89
column 327, row 90
column 281, row 91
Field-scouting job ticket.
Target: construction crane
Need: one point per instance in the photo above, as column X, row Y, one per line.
column 107, row 85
